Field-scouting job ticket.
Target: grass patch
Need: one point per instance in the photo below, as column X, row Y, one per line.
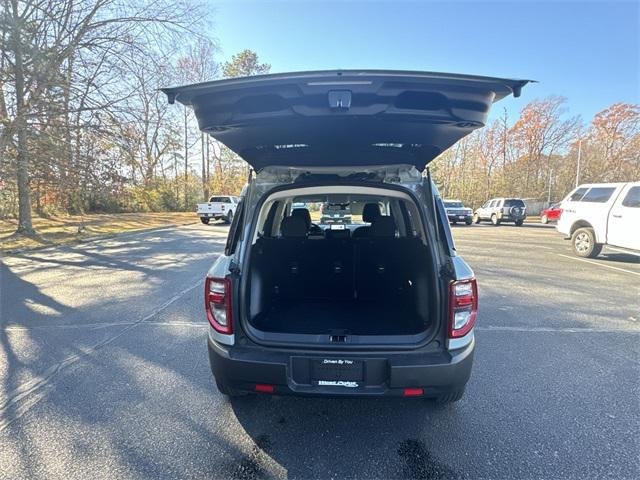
column 60, row 230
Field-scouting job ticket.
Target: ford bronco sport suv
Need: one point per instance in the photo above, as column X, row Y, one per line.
column 382, row 306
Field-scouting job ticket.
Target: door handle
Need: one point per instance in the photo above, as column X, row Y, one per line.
column 617, row 216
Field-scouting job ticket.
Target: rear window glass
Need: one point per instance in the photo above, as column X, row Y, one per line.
column 633, row 198
column 598, row 195
column 219, row 200
column 577, row 195
column 513, row 202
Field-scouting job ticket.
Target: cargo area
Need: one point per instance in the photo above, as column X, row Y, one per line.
column 368, row 278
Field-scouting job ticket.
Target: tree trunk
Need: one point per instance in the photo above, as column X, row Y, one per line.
column 204, row 167
column 206, row 188
column 25, row 225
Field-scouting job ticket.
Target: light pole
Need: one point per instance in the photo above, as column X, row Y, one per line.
column 578, row 166
column 549, row 192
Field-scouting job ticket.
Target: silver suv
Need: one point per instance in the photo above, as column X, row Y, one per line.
column 498, row 210
column 380, row 305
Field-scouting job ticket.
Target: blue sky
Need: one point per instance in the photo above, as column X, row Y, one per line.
column 586, row 51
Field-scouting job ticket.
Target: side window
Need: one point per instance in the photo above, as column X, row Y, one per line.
column 235, row 231
column 578, row 194
column 598, row 194
column 633, row 198
column 493, row 203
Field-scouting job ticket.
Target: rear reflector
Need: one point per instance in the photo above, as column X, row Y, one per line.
column 412, row 392
column 265, row 388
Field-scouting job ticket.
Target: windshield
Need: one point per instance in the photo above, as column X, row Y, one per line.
column 449, row 204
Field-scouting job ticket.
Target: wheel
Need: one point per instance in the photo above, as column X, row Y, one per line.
column 449, row 397
column 229, row 217
column 584, row 243
column 519, row 223
column 467, row 221
column 544, row 219
column 229, row 391
column 204, row 220
column 494, row 219
column 476, row 218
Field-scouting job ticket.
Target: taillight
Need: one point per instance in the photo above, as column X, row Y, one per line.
column 217, row 303
column 463, row 307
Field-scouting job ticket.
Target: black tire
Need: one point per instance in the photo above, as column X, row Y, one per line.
column 494, row 220
column 476, row 218
column 449, row 397
column 467, row 222
column 230, row 392
column 229, row 217
column 583, row 242
column 204, row 220
column 519, row 223
column 544, row 219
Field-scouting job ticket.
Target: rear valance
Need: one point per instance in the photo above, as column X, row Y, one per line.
column 343, row 118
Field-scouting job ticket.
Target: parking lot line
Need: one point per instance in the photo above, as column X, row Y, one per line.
column 599, row 264
column 628, row 252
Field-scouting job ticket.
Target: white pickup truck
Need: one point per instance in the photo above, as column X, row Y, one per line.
column 220, row 207
column 600, row 214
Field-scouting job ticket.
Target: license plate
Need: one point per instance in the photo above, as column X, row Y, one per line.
column 338, row 372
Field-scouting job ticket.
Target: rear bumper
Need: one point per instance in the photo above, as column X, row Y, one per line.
column 511, row 218
column 385, row 374
column 459, row 218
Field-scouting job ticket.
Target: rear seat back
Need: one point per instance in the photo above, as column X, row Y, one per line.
column 381, row 272
column 335, row 269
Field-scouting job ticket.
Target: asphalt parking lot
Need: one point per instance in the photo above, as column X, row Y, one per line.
column 104, row 373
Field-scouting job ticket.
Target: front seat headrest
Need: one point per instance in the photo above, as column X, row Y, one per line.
column 293, row 227
column 383, row 226
column 304, row 214
column 370, row 212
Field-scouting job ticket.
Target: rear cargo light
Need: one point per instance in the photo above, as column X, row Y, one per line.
column 265, row 388
column 413, row 392
column 463, row 307
column 217, row 303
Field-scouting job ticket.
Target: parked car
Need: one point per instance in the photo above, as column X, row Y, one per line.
column 335, row 213
column 551, row 214
column 600, row 214
column 388, row 313
column 221, row 207
column 498, row 210
column 457, row 212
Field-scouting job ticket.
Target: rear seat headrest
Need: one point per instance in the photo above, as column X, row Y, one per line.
column 383, row 226
column 370, row 212
column 304, row 214
column 293, row 227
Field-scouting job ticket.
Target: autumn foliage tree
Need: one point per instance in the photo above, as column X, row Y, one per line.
column 536, row 158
